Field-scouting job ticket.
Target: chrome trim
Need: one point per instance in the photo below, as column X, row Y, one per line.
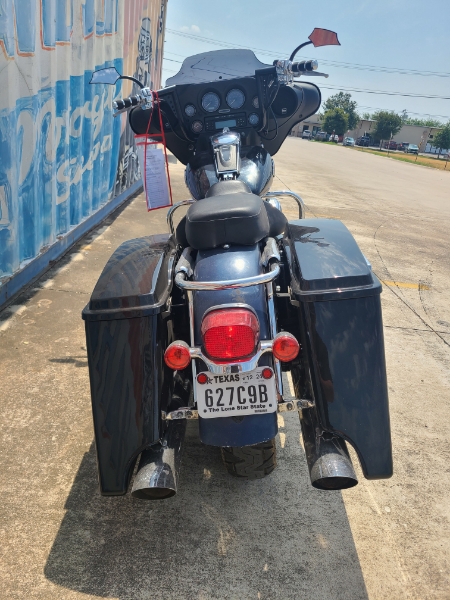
column 226, row 150
column 270, row 252
column 297, row 198
column 180, row 281
column 241, row 367
column 273, row 332
column 190, row 296
column 185, row 263
column 291, row 405
column 181, row 413
column 171, row 211
column 231, row 305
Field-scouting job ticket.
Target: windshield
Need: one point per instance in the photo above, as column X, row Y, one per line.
column 413, row 146
column 219, row 64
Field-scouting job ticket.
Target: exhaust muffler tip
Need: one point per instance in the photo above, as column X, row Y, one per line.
column 329, row 463
column 159, row 465
column 333, row 471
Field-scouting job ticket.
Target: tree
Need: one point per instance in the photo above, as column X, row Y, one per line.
column 367, row 116
column 442, row 139
column 345, row 103
column 335, row 120
column 387, row 124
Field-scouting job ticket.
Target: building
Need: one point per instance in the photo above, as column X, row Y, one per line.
column 409, row 134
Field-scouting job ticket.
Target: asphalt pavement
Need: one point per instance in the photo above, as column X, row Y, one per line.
column 222, row 539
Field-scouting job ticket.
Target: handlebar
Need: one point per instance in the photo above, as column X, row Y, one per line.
column 144, row 99
column 128, row 102
column 304, row 66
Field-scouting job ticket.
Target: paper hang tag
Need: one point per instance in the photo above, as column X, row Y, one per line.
column 154, row 175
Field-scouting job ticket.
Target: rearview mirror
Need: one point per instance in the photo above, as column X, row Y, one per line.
column 324, row 37
column 110, row 76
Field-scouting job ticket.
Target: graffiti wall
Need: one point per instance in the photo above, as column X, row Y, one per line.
column 62, row 154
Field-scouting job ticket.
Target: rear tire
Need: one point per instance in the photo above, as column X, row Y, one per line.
column 251, row 462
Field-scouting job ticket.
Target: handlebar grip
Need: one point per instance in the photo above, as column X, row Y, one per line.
column 127, row 102
column 304, row 65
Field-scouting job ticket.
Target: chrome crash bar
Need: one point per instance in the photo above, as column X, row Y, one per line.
column 207, row 286
column 297, row 198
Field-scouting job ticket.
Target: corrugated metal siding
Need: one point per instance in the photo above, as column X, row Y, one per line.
column 62, row 155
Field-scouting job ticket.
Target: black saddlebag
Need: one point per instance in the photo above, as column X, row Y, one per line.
column 339, row 309
column 126, row 337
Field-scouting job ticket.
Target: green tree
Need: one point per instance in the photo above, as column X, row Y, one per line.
column 335, row 120
column 387, row 124
column 367, row 116
column 442, row 139
column 345, row 103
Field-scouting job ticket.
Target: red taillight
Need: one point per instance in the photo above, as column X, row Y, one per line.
column 230, row 334
column 285, row 347
column 177, row 356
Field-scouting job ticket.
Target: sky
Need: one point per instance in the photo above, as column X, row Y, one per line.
column 375, row 35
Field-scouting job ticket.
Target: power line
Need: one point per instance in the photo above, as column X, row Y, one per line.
column 339, row 64
column 365, row 91
column 410, row 112
column 383, row 93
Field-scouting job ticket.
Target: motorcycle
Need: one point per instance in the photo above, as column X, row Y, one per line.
column 202, row 322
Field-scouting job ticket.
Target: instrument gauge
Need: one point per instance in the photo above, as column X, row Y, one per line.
column 190, row 110
column 253, row 119
column 255, row 102
column 235, row 98
column 197, row 126
column 210, row 102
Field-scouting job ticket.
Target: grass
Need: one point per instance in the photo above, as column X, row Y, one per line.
column 417, row 160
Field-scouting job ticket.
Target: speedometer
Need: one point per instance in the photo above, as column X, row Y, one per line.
column 210, row 102
column 235, row 98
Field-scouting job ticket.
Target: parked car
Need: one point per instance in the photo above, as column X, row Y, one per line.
column 411, row 149
column 333, row 138
column 390, row 145
column 364, row 140
column 306, row 135
column 321, row 136
column 348, row 141
column 401, row 146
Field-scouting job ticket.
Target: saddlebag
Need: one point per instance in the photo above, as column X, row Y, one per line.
column 126, row 336
column 340, row 322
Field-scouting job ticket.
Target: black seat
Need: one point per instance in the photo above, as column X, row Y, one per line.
column 238, row 218
column 222, row 188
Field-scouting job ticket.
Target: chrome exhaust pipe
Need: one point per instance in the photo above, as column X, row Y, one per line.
column 159, row 465
column 329, row 463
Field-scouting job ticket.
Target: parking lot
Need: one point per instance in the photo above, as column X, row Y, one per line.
column 219, row 538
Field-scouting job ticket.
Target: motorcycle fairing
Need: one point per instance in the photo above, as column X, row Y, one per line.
column 339, row 312
column 126, row 337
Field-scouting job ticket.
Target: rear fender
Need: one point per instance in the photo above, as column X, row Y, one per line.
column 222, row 264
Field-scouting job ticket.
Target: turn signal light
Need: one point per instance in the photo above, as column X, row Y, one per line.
column 177, row 356
column 285, row 347
column 230, row 334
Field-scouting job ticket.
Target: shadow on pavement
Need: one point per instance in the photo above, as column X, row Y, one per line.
column 219, row 538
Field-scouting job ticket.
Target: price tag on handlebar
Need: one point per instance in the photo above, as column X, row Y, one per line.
column 152, row 153
column 154, row 174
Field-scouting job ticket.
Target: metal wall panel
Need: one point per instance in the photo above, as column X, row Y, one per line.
column 62, row 155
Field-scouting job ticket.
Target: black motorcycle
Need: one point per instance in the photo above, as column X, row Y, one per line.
column 202, row 323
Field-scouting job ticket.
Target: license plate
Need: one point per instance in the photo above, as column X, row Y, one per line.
column 238, row 394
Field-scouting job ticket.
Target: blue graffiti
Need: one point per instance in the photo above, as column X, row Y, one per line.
column 59, row 154
column 57, row 21
column 106, row 25
column 20, row 22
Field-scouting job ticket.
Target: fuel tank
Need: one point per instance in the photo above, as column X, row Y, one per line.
column 257, row 171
